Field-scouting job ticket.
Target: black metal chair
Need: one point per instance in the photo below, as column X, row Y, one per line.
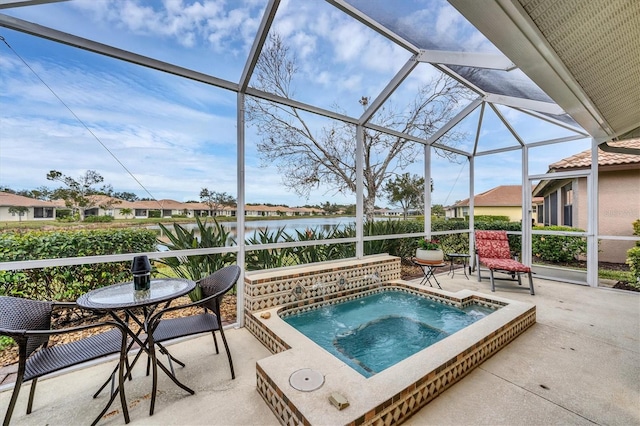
column 28, row 322
column 213, row 288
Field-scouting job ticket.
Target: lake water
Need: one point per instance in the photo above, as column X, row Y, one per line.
column 320, row 224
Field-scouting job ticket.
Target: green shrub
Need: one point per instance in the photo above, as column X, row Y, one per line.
column 269, row 258
column 633, row 260
column 199, row 266
column 62, row 214
column 558, row 248
column 98, row 219
column 490, row 218
column 154, row 214
column 321, row 252
column 402, row 247
column 636, row 230
column 5, row 342
column 68, row 282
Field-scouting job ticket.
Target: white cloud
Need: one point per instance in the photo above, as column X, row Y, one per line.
column 188, row 23
column 177, row 136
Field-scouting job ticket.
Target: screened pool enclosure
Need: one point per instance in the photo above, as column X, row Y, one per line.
column 459, row 91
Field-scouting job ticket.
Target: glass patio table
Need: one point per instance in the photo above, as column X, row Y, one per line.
column 122, row 297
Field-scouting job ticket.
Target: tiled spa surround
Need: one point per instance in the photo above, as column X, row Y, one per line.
column 390, row 396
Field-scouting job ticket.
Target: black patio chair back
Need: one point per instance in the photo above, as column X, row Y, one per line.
column 28, row 322
column 214, row 287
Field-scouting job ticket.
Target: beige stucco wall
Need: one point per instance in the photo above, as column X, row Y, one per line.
column 6, row 216
column 514, row 212
column 619, row 207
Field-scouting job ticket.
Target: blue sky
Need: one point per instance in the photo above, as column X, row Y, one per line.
column 161, row 136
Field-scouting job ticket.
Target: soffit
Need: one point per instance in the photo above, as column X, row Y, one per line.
column 583, row 54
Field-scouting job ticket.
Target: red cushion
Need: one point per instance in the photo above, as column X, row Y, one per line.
column 492, row 244
column 504, row 264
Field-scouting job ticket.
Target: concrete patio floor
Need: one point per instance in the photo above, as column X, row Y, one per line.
column 579, row 364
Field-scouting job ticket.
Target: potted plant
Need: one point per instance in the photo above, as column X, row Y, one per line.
column 429, row 251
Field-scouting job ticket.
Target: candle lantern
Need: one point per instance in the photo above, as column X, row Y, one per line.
column 141, row 270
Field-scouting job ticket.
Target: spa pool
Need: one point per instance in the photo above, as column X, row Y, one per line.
column 374, row 332
column 376, row 395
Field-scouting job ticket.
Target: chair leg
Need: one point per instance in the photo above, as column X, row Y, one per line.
column 215, row 341
column 226, row 346
column 519, row 279
column 14, row 399
column 493, row 285
column 478, row 267
column 531, row 284
column 154, row 380
column 124, row 362
column 32, row 393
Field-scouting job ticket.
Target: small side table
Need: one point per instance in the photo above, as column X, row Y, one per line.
column 428, row 270
column 465, row 263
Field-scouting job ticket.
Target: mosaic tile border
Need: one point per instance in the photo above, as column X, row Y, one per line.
column 414, row 397
column 402, row 405
column 268, row 289
column 265, row 335
column 280, row 405
column 274, row 291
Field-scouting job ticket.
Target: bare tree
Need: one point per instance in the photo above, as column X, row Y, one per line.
column 216, row 200
column 308, row 159
column 407, row 191
column 78, row 194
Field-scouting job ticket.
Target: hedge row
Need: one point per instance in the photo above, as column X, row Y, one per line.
column 68, row 282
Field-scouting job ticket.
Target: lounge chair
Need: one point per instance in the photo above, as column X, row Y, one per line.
column 492, row 251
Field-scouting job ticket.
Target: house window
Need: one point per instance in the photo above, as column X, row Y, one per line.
column 141, row 212
column 42, row 212
column 551, row 209
column 540, row 214
column 567, row 205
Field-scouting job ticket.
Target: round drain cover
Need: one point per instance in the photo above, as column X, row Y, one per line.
column 306, row 380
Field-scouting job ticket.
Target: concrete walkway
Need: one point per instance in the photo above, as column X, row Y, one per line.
column 580, row 364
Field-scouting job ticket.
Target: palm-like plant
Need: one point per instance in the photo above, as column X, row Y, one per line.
column 198, row 266
column 270, row 258
column 320, row 252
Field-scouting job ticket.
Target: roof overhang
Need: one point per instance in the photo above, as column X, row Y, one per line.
column 584, row 55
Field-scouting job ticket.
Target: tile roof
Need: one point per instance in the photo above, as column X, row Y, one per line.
column 8, row 199
column 583, row 159
column 503, row 195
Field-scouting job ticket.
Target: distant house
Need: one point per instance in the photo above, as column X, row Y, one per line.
column 503, row 200
column 267, row 211
column 306, row 211
column 102, row 205
column 35, row 209
column 565, row 200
